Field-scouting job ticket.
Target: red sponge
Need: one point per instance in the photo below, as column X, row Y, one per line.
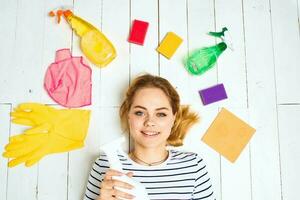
column 138, row 32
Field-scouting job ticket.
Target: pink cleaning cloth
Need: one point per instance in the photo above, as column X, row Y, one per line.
column 68, row 80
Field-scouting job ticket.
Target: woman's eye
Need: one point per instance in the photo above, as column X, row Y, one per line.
column 139, row 113
column 161, row 114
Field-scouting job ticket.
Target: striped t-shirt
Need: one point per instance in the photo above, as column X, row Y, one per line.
column 182, row 176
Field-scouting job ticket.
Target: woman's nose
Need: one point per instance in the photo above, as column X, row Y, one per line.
column 149, row 122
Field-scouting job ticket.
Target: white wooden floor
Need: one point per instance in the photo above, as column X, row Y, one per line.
column 261, row 77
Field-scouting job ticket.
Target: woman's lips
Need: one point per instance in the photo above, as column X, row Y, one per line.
column 150, row 133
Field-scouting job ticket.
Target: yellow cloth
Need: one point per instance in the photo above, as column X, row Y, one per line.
column 228, row 135
column 53, row 131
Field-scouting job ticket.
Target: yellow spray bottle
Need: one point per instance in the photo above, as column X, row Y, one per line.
column 96, row 47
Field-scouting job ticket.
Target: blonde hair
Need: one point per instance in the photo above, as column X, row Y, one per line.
column 184, row 117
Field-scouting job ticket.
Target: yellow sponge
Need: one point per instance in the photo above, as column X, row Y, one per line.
column 169, row 45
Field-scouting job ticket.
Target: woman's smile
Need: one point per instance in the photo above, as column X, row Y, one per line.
column 150, row 133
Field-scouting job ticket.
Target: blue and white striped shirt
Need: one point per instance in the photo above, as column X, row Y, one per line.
column 182, row 176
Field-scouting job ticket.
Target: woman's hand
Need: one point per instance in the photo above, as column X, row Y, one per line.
column 108, row 186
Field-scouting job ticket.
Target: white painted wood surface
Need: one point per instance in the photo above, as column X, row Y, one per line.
column 289, row 117
column 4, row 128
column 260, row 76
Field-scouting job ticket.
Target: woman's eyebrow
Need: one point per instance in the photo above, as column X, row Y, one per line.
column 140, row 107
column 162, row 108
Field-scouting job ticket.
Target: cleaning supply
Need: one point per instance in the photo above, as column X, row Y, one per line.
column 58, row 13
column 52, row 131
column 97, row 48
column 112, row 150
column 213, row 94
column 68, row 80
column 228, row 135
column 138, row 32
column 203, row 59
column 169, row 45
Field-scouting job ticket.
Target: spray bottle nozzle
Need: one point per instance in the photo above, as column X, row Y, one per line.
column 67, row 13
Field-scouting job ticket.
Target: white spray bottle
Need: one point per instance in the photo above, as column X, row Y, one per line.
column 112, row 150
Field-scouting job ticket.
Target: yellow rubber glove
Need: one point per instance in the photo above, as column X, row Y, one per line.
column 53, row 131
column 31, row 114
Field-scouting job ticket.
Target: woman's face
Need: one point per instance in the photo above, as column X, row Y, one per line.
column 150, row 118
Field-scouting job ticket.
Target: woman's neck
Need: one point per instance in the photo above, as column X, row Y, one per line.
column 149, row 156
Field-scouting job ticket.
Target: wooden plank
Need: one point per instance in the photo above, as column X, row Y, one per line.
column 262, row 101
column 28, row 50
column 237, row 175
column 109, row 118
column 4, row 129
column 145, row 58
column 80, row 160
column 24, row 75
column 231, row 65
column 53, row 177
column 198, row 38
column 21, row 177
column 8, row 21
column 288, row 124
column 286, row 39
column 56, row 36
column 115, row 25
column 172, row 69
column 91, row 12
column 53, row 168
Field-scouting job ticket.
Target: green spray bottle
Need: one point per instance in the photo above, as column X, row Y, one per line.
column 203, row 59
